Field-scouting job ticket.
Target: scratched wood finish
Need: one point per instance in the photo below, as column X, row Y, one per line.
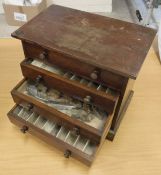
column 109, row 44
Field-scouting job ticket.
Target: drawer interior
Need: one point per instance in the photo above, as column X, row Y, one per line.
column 86, row 113
column 76, row 143
column 71, row 84
column 73, row 77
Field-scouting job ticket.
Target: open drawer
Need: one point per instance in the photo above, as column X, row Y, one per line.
column 71, row 84
column 85, row 119
column 53, row 133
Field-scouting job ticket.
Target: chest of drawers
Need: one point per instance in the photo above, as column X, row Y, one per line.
column 79, row 70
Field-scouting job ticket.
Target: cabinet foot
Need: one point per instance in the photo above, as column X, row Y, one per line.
column 111, row 134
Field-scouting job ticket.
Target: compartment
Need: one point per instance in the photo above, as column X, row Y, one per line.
column 72, row 138
column 32, row 118
column 49, row 126
column 55, row 130
column 23, row 113
column 88, row 119
column 40, row 121
column 81, row 143
column 79, row 146
column 71, row 84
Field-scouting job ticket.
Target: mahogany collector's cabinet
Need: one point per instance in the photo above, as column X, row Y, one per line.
column 78, row 70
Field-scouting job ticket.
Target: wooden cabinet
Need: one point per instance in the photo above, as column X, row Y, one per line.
column 79, row 69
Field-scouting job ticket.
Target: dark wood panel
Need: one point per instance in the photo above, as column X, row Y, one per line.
column 106, row 43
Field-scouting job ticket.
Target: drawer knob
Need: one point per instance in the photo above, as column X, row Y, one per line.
column 87, row 103
column 67, row 153
column 43, row 55
column 87, row 99
column 76, row 131
column 38, row 79
column 94, row 75
column 28, row 107
column 24, row 129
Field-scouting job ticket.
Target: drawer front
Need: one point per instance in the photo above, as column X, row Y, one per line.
column 55, row 134
column 106, row 100
column 76, row 66
column 95, row 129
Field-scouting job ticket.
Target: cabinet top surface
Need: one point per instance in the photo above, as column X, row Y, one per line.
column 106, row 43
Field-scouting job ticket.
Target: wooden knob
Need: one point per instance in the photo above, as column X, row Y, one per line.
column 24, row 129
column 43, row 55
column 28, row 107
column 29, row 61
column 38, row 79
column 94, row 75
column 87, row 99
column 76, row 131
column 67, row 153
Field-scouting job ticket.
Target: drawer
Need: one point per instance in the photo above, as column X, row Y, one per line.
column 71, row 84
column 51, row 132
column 88, row 120
column 74, row 65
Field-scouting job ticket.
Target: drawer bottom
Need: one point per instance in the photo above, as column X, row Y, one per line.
column 72, row 145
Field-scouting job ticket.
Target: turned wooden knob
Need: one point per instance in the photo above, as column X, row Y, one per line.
column 38, row 79
column 24, row 129
column 43, row 55
column 67, row 153
column 28, row 107
column 94, row 75
column 87, row 99
column 76, row 131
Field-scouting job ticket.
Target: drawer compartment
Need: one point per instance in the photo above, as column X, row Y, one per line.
column 87, row 119
column 53, row 133
column 85, row 70
column 71, row 84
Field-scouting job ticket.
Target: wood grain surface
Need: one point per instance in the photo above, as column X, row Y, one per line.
column 105, row 43
column 136, row 149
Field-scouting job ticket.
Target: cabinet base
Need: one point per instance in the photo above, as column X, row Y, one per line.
column 111, row 134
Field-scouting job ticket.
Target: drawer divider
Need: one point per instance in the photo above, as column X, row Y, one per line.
column 87, row 142
column 76, row 140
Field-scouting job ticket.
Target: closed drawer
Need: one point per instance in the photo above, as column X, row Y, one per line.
column 53, row 133
column 71, row 84
column 74, row 65
column 88, row 120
